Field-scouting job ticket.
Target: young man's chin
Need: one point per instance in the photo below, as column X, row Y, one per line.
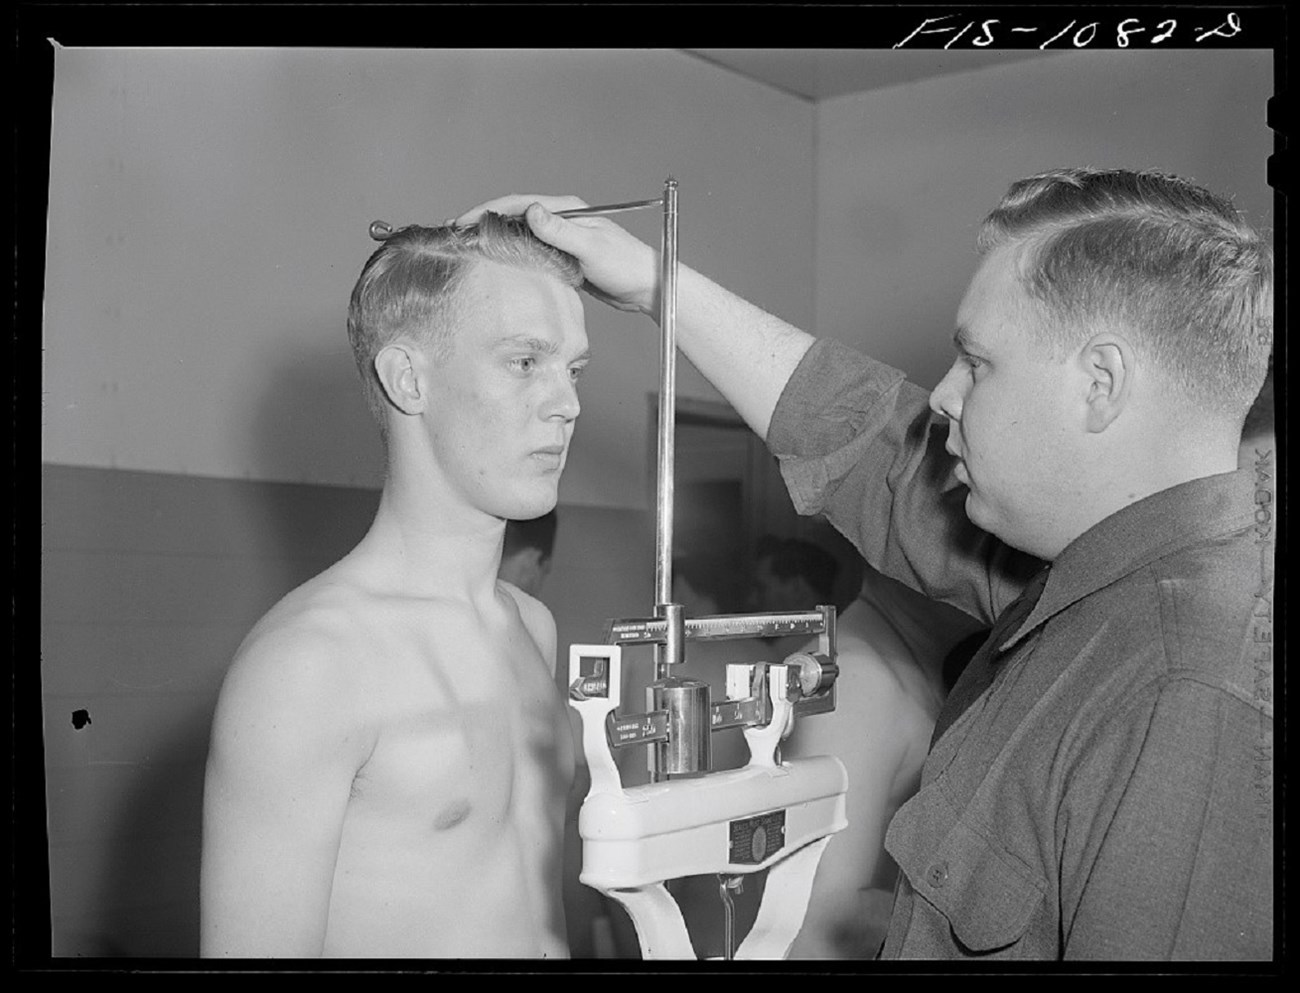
column 526, row 506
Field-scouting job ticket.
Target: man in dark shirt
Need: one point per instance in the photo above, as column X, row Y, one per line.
column 1100, row 781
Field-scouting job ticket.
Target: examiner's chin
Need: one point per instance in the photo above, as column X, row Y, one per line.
column 975, row 512
column 978, row 514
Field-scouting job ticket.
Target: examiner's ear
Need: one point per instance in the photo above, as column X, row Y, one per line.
column 1108, row 364
column 398, row 369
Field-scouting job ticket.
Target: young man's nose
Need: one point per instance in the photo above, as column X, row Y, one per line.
column 563, row 399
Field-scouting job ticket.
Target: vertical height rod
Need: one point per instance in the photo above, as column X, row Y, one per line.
column 669, row 654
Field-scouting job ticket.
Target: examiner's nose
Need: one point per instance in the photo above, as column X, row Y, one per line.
column 947, row 396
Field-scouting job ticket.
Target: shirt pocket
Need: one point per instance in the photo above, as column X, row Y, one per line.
column 987, row 896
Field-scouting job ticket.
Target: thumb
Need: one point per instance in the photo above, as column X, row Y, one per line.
column 551, row 229
column 619, row 269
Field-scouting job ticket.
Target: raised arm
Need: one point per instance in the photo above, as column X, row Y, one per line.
column 746, row 353
column 283, row 755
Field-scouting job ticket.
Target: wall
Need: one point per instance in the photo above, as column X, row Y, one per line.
column 905, row 174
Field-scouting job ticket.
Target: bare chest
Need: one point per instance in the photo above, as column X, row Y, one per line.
column 470, row 735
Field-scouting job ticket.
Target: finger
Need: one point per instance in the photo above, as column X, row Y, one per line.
column 517, row 203
column 557, row 231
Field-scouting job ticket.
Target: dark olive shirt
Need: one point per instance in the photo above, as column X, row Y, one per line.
column 1109, row 796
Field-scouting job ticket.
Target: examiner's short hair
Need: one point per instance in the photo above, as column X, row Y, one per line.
column 408, row 287
column 1168, row 261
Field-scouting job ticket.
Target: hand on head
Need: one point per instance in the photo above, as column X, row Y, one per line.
column 619, row 269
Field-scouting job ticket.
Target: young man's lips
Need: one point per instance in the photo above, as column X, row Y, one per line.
column 550, row 456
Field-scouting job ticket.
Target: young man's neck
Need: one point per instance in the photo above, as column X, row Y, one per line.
column 426, row 544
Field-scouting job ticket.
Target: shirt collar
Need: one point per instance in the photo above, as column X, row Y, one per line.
column 1141, row 533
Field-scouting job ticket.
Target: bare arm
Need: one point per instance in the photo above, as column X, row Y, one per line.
column 747, row 354
column 880, row 735
column 279, row 774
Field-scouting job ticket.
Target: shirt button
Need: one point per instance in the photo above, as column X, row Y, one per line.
column 937, row 874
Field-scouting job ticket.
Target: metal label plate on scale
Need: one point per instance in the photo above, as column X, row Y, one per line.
column 755, row 839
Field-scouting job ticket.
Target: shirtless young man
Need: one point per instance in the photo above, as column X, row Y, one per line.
column 390, row 757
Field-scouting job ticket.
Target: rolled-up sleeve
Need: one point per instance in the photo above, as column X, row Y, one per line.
column 858, row 443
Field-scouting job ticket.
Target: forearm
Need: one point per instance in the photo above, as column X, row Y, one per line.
column 746, row 353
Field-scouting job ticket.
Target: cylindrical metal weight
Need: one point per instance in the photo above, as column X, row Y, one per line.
column 688, row 744
column 816, row 672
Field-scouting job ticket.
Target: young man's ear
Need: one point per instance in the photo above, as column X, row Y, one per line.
column 1108, row 363
column 400, row 375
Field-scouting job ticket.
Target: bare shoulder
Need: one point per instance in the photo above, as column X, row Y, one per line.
column 295, row 674
column 537, row 620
